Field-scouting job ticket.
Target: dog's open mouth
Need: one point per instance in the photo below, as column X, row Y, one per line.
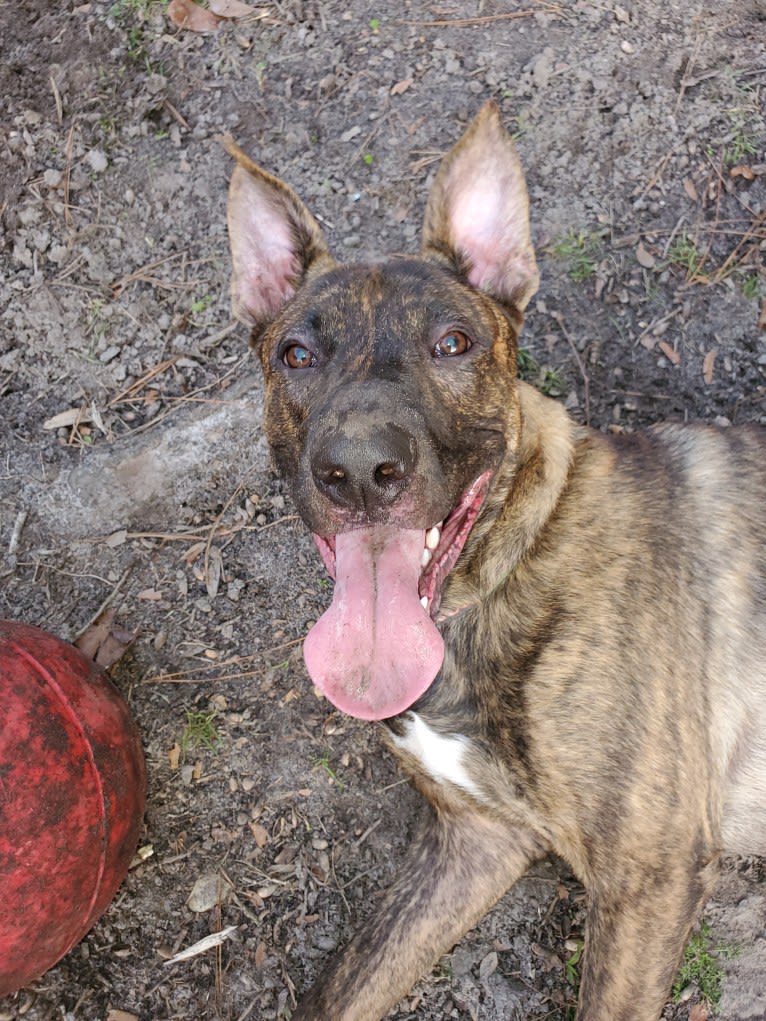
column 376, row 649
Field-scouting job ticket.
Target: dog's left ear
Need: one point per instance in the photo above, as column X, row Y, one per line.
column 478, row 212
column 275, row 241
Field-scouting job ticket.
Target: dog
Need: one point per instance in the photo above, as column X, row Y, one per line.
column 563, row 632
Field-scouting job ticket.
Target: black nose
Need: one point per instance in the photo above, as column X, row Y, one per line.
column 364, row 468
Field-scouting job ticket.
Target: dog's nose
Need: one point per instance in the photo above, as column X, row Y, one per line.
column 365, row 469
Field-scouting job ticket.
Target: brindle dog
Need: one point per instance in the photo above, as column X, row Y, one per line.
column 563, row 632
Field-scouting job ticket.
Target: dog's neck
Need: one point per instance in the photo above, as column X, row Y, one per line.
column 527, row 489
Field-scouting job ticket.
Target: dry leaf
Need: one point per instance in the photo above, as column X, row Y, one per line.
column 260, row 833
column 699, row 1012
column 215, row 939
column 690, row 190
column 402, row 86
column 209, row 891
column 174, row 755
column 188, row 15
column 120, row 1015
column 402, row 211
column 488, row 966
column 230, row 8
column 260, row 955
column 707, row 366
column 150, row 594
column 762, row 316
column 193, row 552
column 116, row 538
column 142, row 854
column 742, row 170
column 73, row 416
column 104, row 642
column 644, row 257
column 670, row 353
column 213, row 571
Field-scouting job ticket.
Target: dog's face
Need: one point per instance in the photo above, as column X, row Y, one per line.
column 388, row 395
column 390, row 400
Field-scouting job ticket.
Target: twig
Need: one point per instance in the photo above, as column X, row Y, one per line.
column 370, row 829
column 68, row 171
column 200, row 535
column 128, row 394
column 369, row 137
column 253, row 1003
column 140, row 274
column 215, row 339
column 174, row 113
column 654, row 179
column 57, row 99
column 106, row 602
column 586, row 380
column 215, row 939
column 659, row 321
column 485, row 19
column 18, row 525
column 181, row 677
column 728, row 264
column 189, row 398
column 686, row 80
column 212, row 531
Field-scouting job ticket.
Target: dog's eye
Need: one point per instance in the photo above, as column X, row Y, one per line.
column 452, row 343
column 296, row 356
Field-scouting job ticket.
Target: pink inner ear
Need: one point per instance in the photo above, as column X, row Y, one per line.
column 488, row 224
column 264, row 250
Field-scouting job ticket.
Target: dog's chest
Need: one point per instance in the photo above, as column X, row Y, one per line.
column 444, row 758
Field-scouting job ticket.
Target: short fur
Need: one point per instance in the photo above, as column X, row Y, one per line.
column 604, row 625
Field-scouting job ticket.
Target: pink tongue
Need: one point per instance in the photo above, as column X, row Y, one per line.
column 375, row 650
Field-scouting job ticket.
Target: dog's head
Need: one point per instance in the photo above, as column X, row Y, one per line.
column 390, row 399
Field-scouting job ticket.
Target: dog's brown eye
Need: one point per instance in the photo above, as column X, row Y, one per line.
column 452, row 343
column 298, row 357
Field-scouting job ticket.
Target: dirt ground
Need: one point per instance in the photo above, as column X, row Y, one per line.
column 133, row 470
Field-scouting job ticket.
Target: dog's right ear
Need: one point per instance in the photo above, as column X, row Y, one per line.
column 275, row 241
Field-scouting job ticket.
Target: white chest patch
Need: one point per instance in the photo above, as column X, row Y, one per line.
column 441, row 757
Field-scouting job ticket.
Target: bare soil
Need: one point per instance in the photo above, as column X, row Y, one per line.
column 641, row 125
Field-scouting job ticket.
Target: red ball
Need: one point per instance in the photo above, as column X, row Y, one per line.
column 72, row 790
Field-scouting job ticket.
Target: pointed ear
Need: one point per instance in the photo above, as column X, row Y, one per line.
column 275, row 241
column 478, row 212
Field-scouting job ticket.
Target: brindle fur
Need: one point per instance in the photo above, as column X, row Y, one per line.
column 604, row 625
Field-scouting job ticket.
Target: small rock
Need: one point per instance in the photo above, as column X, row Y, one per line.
column 645, row 257
column 97, row 160
column 208, row 892
column 57, row 254
column 28, row 215
column 627, row 47
column 22, row 254
column 110, row 354
column 52, row 178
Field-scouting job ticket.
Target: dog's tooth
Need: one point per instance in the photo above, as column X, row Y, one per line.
column 432, row 538
column 424, row 602
column 425, row 558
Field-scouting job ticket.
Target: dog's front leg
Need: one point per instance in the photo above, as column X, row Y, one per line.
column 459, row 866
column 636, row 931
